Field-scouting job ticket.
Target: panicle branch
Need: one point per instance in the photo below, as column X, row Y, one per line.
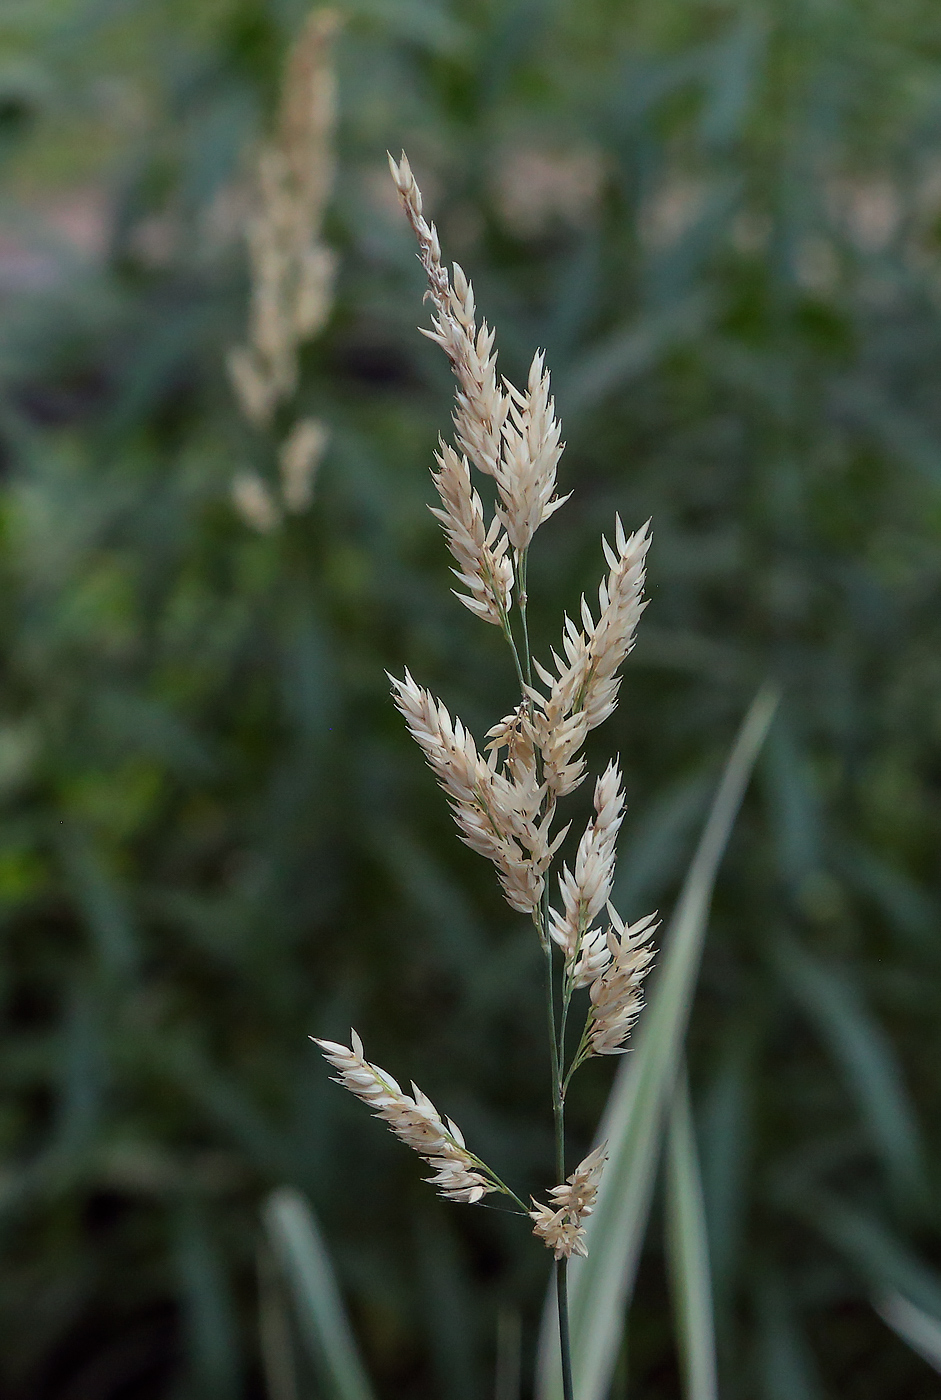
column 459, row 1175
column 497, row 809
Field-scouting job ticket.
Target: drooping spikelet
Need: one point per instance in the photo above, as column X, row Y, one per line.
column 584, row 693
column 496, row 814
column 459, row 1175
column 586, row 890
column 559, row 1224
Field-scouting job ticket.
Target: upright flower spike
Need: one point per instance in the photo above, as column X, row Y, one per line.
column 459, row 1175
column 292, row 270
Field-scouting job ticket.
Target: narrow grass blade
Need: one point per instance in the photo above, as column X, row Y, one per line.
column 509, row 1369
column 278, row 1349
column 302, row 1255
column 921, row 1332
column 867, row 1058
column 786, row 1366
column 600, row 1286
column 727, row 1131
column 208, row 1308
column 882, row 1258
column 446, row 1297
column 689, row 1251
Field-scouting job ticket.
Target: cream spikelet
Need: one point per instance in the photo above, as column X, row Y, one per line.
column 559, row 1225
column 532, row 446
column 584, row 693
column 496, row 815
column 483, row 564
column 616, row 997
column 254, row 502
column 459, row 1175
column 298, row 459
column 586, row 891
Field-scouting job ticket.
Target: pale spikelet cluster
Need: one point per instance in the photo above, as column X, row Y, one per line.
column 459, row 1175
column 559, row 1225
column 616, row 980
column 292, row 270
column 584, row 692
column 586, row 890
column 497, row 808
column 484, row 567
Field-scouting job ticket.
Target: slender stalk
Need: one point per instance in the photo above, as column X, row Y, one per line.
column 561, row 1268
column 508, row 633
column 523, row 600
column 562, row 1295
column 556, row 1031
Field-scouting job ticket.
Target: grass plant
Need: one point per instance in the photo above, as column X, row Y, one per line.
column 505, row 805
column 721, row 222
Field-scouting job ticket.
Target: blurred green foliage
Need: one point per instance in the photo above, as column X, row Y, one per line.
column 723, row 223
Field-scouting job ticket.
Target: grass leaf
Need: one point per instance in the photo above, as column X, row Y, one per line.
column 921, row 1332
column 300, row 1250
column 689, row 1250
column 787, row 1369
column 600, row 1286
column 868, row 1059
column 879, row 1255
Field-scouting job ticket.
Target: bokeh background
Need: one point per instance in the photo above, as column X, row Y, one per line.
column 722, row 220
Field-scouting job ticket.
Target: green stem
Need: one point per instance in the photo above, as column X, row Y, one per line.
column 562, row 1295
column 556, row 1035
column 558, row 1116
column 508, row 633
column 561, row 1268
column 522, row 570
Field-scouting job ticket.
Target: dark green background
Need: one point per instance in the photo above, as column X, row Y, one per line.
column 215, row 836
